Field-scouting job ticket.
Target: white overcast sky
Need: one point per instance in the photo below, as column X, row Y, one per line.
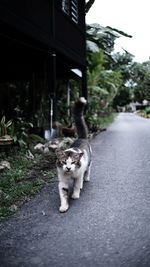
column 130, row 16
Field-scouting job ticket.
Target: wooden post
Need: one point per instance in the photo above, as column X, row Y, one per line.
column 52, row 86
column 84, row 83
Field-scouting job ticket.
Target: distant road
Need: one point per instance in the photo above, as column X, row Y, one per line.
column 109, row 226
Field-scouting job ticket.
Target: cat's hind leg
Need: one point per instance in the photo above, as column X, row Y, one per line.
column 87, row 174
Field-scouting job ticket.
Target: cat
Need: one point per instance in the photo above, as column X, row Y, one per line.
column 75, row 162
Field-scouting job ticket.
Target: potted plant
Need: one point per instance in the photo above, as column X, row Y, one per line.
column 5, row 139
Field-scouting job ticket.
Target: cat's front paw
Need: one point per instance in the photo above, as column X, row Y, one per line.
column 75, row 196
column 63, row 208
column 87, row 179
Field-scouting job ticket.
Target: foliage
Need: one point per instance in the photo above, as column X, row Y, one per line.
column 4, row 126
column 108, row 72
column 141, row 79
column 147, row 110
column 99, row 37
column 136, row 81
column 123, row 63
column 25, row 178
column 20, row 132
column 123, row 97
column 101, row 119
column 18, row 101
column 103, row 85
column 145, row 113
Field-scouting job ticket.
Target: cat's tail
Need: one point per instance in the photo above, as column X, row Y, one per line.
column 81, row 127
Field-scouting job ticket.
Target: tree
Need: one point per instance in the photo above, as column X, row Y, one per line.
column 141, row 79
column 88, row 5
column 107, row 72
column 123, row 64
column 103, row 85
column 99, row 37
column 123, row 97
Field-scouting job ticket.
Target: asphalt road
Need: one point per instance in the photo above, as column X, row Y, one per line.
column 109, row 226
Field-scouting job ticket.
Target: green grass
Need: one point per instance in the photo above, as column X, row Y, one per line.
column 24, row 179
column 105, row 121
column 101, row 122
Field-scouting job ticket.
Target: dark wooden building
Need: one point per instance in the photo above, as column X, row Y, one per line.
column 41, row 41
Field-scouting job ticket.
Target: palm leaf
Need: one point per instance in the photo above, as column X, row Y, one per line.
column 120, row 32
column 98, row 89
column 8, row 123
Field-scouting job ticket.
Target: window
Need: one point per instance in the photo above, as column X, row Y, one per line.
column 70, row 7
column 74, row 10
column 66, row 6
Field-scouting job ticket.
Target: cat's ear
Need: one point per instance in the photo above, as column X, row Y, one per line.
column 78, row 156
column 59, row 153
column 81, row 154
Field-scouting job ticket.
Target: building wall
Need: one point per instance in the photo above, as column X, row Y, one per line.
column 45, row 23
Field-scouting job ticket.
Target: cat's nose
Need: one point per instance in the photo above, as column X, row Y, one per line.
column 68, row 169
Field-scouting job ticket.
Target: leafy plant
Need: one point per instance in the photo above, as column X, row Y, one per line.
column 4, row 126
column 108, row 72
column 20, row 132
column 147, row 110
column 141, row 79
column 99, row 37
column 123, row 97
column 103, row 85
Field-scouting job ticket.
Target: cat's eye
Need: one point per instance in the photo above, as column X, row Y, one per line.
column 63, row 162
column 73, row 162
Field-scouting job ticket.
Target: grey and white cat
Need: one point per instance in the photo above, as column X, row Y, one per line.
column 75, row 162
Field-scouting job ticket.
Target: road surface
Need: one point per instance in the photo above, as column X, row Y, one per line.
column 109, row 226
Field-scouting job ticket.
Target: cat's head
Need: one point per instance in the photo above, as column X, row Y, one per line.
column 69, row 162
